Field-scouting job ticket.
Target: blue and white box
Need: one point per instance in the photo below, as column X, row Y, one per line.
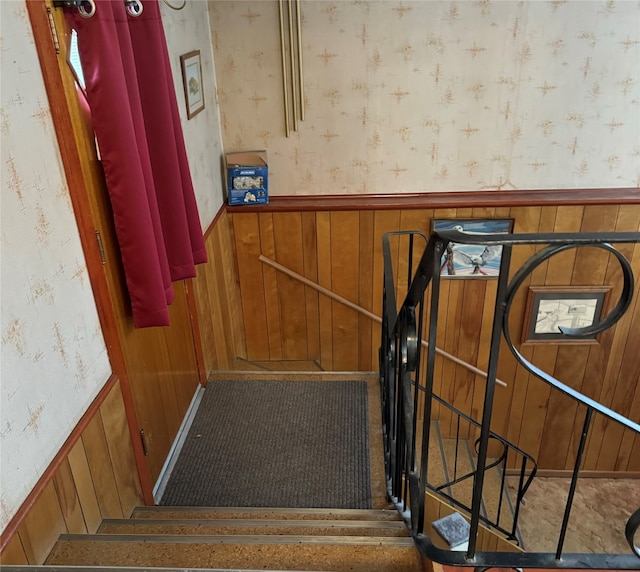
column 247, row 178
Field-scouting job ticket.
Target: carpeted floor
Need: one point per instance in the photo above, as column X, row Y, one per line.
column 276, row 444
column 601, row 508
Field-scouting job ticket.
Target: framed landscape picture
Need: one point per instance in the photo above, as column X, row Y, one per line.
column 472, row 260
column 192, row 80
column 550, row 308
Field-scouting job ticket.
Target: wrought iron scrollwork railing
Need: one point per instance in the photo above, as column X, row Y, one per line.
column 495, row 518
column 409, row 402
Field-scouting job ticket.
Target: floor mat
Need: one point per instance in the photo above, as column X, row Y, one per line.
column 301, row 444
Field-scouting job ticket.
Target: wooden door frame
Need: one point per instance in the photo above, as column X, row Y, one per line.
column 71, row 158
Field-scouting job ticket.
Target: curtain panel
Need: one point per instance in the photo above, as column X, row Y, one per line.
column 131, row 96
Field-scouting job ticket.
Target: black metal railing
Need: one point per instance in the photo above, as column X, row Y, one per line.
column 409, row 404
column 492, row 517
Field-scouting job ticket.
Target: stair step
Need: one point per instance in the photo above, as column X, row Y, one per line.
column 192, row 526
column 491, row 498
column 218, row 513
column 321, row 553
column 459, row 463
column 71, row 568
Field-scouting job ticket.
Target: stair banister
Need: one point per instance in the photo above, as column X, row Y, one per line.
column 400, row 376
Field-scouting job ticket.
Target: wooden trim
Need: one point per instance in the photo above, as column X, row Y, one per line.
column 61, row 455
column 567, row 474
column 75, row 181
column 195, row 331
column 215, row 221
column 453, row 199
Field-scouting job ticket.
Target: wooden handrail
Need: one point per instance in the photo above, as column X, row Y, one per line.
column 365, row 312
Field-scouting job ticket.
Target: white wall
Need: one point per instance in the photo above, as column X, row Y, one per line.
column 418, row 96
column 187, row 30
column 54, row 359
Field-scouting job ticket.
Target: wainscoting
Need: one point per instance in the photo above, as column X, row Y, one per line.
column 274, row 317
column 217, row 299
column 93, row 477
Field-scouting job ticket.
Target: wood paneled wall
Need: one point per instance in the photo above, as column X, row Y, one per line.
column 342, row 251
column 95, row 479
column 217, row 296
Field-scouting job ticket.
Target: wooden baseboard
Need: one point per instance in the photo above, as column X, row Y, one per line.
column 566, row 474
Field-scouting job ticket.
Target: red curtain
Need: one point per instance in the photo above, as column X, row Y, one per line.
column 131, row 95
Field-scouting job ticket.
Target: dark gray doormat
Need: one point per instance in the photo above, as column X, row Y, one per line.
column 302, row 444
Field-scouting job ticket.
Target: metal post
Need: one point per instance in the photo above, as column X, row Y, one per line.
column 428, row 385
column 487, row 410
column 574, row 481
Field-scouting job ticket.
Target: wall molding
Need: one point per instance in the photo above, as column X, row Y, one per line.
column 61, row 455
column 453, row 199
column 214, row 222
column 568, row 473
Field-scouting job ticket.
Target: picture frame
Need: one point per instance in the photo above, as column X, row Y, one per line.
column 191, row 66
column 471, row 261
column 549, row 307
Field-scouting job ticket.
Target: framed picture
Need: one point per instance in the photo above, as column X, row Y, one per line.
column 192, row 80
column 472, row 260
column 548, row 308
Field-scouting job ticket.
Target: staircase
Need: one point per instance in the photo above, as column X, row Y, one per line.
column 247, row 539
column 265, row 538
column 225, row 538
column 451, row 472
column 355, row 540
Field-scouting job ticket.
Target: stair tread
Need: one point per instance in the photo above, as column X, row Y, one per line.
column 216, row 513
column 458, row 465
column 254, row 527
column 238, row 539
column 492, row 495
column 94, row 568
column 258, row 521
column 98, row 568
column 463, row 491
column 366, row 554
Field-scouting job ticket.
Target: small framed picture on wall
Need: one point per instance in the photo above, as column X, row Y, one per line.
column 550, row 308
column 472, row 260
column 192, row 80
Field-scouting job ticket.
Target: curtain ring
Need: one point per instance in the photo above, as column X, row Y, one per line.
column 87, row 13
column 184, row 2
column 134, row 7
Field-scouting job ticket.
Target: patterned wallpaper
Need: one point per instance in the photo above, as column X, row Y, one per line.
column 54, row 360
column 187, row 30
column 430, row 96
